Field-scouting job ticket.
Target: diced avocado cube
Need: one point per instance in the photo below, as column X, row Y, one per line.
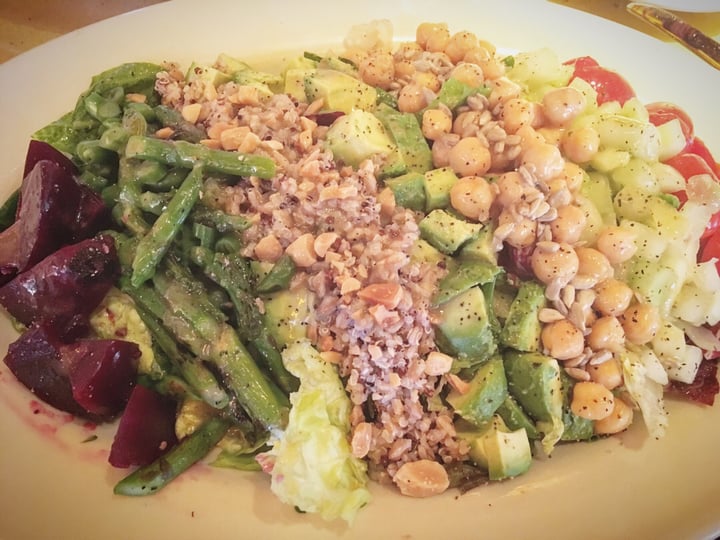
column 521, row 330
column 516, row 418
column 393, row 166
column 206, row 73
column 534, row 381
column 438, row 183
column 286, row 315
column 341, row 92
column 357, row 136
column 409, row 190
column 503, row 453
column 465, row 275
column 454, row 93
column 446, row 232
column 481, row 248
column 464, row 328
column 295, row 82
column 487, row 390
column 576, row 427
column 407, row 135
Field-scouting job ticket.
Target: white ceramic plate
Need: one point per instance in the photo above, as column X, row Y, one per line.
column 54, row 485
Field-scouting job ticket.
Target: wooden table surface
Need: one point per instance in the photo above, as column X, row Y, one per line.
column 25, row 24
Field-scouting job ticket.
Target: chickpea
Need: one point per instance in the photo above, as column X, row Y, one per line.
column 435, row 123
column 612, row 297
column 608, row 373
column 472, row 196
column 441, row 149
column 563, row 105
column 617, row 243
column 593, row 267
column 515, row 113
column 592, row 400
column 427, row 79
column 619, row 420
column 511, row 188
column 606, row 333
column 529, row 137
column 404, row 68
column 562, row 340
column 544, row 160
column 580, row 145
column 470, row 74
column 524, row 231
column 470, row 157
column 560, row 265
column 378, row 69
column 411, row 98
column 549, row 135
column 574, row 176
column 466, row 123
column 641, row 322
column 491, row 67
column 568, row 225
column 502, row 90
column 459, row 44
column 432, row 37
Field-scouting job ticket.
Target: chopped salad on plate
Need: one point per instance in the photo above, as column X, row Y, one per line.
column 424, row 263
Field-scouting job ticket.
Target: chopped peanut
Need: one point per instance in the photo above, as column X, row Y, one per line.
column 331, row 357
column 164, row 133
column 437, row 363
column 302, row 251
column 136, row 98
column 191, row 112
column 387, row 294
column 232, row 138
column 422, row 478
column 386, row 198
column 323, row 242
column 361, row 439
column 268, row 249
column 215, row 130
column 458, row 384
column 350, row 285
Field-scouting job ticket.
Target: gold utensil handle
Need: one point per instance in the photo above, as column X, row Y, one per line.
column 693, row 39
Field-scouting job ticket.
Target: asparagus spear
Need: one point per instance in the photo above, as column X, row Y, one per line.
column 149, row 479
column 156, row 242
column 207, row 334
column 186, row 154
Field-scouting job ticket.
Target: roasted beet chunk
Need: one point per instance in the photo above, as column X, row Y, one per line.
column 63, row 289
column 91, row 379
column 102, row 374
column 36, row 361
column 42, row 151
column 54, row 210
column 146, row 429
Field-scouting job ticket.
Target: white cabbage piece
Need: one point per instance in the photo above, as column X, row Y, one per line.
column 644, row 381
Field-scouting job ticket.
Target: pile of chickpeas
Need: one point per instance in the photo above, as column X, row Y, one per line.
column 529, row 195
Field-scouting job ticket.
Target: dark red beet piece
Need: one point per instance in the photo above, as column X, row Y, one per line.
column 91, row 379
column 146, row 429
column 54, row 210
column 41, row 151
column 516, row 261
column 65, row 287
column 35, row 359
column 102, row 374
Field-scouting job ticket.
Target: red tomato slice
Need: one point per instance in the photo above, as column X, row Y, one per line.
column 609, row 85
column 690, row 165
column 662, row 112
column 698, row 148
column 711, row 249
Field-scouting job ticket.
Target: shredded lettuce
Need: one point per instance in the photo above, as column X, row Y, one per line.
column 313, row 467
column 645, row 379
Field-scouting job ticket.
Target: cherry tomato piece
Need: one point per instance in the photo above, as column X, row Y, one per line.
column 711, row 250
column 690, row 165
column 698, row 148
column 609, row 85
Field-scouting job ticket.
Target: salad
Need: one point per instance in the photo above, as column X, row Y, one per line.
column 422, row 263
